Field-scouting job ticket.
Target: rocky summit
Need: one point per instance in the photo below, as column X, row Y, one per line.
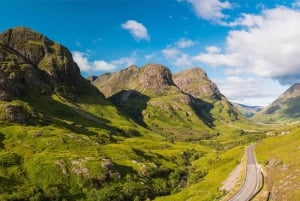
column 151, row 80
column 194, row 81
column 285, row 108
column 30, row 61
column 31, row 65
column 154, row 97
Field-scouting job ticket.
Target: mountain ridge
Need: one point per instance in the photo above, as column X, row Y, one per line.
column 285, row 108
column 62, row 139
column 188, row 97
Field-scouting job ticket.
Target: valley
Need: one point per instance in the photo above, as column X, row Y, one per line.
column 142, row 133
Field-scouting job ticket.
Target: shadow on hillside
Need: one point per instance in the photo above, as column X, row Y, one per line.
column 89, row 94
column 203, row 110
column 69, row 117
column 131, row 103
column 292, row 110
column 2, row 137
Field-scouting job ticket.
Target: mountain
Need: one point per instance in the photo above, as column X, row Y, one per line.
column 62, row 139
column 33, row 66
column 246, row 110
column 286, row 108
column 185, row 105
column 194, row 81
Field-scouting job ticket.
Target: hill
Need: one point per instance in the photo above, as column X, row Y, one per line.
column 61, row 139
column 183, row 106
column 286, row 108
column 248, row 111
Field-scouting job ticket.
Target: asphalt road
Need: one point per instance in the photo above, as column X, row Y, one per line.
column 251, row 181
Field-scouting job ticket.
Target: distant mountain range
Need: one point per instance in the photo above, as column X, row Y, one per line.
column 248, row 111
column 286, row 108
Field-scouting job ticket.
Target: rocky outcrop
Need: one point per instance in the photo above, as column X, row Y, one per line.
column 7, row 89
column 156, row 78
column 31, row 63
column 151, row 80
column 290, row 93
column 38, row 51
column 286, row 108
column 194, row 81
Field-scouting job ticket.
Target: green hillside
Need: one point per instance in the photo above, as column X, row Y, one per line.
column 188, row 107
column 61, row 139
column 284, row 109
column 279, row 156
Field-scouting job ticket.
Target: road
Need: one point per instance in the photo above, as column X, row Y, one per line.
column 251, row 181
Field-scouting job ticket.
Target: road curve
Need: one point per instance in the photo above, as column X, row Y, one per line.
column 251, row 182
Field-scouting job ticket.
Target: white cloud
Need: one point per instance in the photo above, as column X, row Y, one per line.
column 177, row 57
column 210, row 9
column 184, row 43
column 137, row 30
column 267, row 45
column 213, row 49
column 250, row 90
column 296, row 4
column 100, row 65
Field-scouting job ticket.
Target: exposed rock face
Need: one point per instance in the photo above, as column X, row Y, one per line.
column 286, row 108
column 194, row 81
column 42, row 53
column 153, row 97
column 292, row 92
column 7, row 88
column 156, row 78
column 151, row 80
column 30, row 61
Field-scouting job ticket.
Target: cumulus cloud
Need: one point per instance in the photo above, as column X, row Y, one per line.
column 184, row 43
column 137, row 30
column 174, row 52
column 266, row 45
column 296, row 4
column 87, row 66
column 245, row 90
column 210, row 9
column 213, row 49
column 177, row 57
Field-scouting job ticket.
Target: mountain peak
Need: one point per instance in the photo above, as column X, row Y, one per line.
column 195, row 82
column 156, row 76
column 292, row 92
column 284, row 108
column 150, row 79
column 40, row 53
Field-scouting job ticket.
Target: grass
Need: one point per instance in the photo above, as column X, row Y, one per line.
column 279, row 156
column 86, row 150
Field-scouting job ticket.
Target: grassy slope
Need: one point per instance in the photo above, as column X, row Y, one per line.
column 287, row 111
column 280, row 158
column 65, row 158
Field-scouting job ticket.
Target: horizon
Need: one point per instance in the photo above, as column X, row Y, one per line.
column 239, row 44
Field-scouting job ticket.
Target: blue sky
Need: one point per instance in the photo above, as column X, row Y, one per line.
column 250, row 48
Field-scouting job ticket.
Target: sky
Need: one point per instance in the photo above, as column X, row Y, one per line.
column 249, row 48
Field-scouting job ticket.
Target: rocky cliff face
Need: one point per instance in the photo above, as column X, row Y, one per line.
column 155, row 98
column 151, row 80
column 194, row 81
column 30, row 61
column 31, row 65
column 290, row 93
